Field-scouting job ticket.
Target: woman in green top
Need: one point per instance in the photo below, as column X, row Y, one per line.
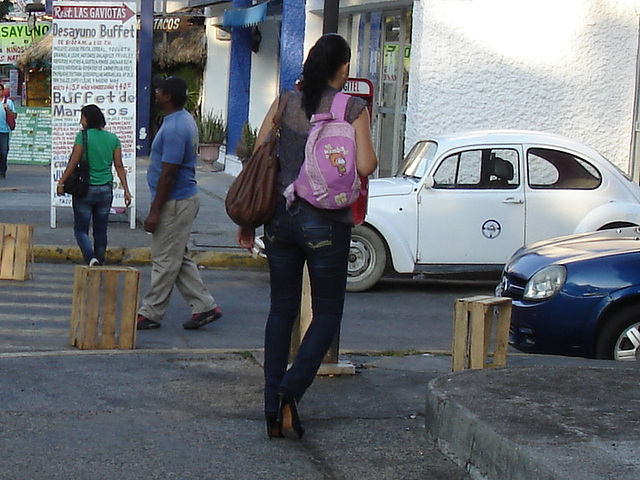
column 103, row 151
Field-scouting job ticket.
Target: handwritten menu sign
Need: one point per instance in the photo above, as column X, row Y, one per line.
column 93, row 62
column 30, row 142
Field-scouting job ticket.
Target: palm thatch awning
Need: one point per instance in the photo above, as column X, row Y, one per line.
column 38, row 55
column 169, row 50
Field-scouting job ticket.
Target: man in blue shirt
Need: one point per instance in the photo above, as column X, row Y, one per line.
column 174, row 205
column 8, row 110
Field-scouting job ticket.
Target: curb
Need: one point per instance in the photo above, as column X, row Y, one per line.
column 142, row 256
column 474, row 445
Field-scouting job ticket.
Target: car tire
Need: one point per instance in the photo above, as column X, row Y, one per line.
column 367, row 259
column 619, row 337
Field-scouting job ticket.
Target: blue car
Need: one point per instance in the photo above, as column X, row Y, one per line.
column 577, row 295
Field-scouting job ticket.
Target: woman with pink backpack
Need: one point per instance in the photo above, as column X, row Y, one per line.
column 300, row 233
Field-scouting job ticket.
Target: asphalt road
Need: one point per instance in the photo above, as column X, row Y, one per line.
column 397, row 316
column 184, row 405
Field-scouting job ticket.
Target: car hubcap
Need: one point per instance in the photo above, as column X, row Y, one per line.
column 628, row 345
column 361, row 258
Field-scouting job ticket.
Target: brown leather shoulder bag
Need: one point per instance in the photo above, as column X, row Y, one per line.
column 251, row 199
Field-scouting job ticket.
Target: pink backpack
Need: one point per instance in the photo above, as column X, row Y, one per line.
column 328, row 177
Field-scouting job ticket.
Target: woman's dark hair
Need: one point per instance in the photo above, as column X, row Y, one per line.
column 325, row 58
column 94, row 116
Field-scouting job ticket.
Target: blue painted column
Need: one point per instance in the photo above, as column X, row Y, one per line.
column 145, row 56
column 374, row 46
column 239, row 80
column 292, row 42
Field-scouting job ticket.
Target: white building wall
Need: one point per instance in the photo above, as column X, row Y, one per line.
column 264, row 75
column 563, row 66
column 265, row 68
column 216, row 73
column 313, row 31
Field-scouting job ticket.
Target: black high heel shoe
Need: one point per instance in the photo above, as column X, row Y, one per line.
column 288, row 417
column 274, row 426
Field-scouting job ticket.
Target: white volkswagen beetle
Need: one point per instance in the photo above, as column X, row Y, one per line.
column 465, row 202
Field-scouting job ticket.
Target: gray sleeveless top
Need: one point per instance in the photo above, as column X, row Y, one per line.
column 294, row 129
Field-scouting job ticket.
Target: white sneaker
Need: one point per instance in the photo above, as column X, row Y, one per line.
column 94, row 262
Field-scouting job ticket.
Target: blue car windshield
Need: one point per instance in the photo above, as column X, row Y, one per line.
column 418, row 159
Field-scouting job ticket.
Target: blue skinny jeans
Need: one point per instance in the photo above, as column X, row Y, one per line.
column 94, row 207
column 291, row 238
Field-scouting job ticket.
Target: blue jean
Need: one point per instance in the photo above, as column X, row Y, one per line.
column 4, row 152
column 291, row 238
column 95, row 206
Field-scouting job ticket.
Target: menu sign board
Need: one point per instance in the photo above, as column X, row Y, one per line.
column 16, row 37
column 93, row 62
column 30, row 142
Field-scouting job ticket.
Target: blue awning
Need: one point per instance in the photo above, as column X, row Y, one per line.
column 245, row 17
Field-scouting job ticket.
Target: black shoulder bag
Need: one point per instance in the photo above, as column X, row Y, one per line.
column 78, row 182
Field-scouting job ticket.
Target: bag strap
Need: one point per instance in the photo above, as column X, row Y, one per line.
column 85, row 148
column 339, row 105
column 282, row 103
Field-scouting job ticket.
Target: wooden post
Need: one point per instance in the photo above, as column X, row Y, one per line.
column 330, row 364
column 473, row 332
column 16, row 252
column 105, row 301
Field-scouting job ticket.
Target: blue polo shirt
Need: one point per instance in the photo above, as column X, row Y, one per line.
column 176, row 142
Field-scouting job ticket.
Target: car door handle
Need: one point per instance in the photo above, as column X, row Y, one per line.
column 513, row 200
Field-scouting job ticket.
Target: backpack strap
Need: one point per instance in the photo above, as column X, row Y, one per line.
column 321, row 117
column 339, row 105
column 338, row 109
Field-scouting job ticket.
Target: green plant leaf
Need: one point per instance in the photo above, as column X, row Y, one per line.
column 212, row 128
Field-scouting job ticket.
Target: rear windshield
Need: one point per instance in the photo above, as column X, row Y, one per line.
column 553, row 169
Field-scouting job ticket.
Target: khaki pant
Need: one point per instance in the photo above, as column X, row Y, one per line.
column 171, row 263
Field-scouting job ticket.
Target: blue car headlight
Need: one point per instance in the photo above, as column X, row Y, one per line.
column 545, row 283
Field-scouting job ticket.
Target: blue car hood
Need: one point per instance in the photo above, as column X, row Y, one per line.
column 572, row 248
column 383, row 187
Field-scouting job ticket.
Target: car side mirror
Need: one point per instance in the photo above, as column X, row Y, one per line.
column 428, row 182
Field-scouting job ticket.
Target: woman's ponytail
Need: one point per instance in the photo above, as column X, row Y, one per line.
column 326, row 57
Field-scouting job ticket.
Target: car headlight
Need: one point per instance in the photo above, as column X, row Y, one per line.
column 545, row 283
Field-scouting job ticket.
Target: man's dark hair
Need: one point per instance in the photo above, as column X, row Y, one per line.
column 175, row 87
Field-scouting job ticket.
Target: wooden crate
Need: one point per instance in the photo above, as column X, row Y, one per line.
column 16, row 252
column 105, row 303
column 480, row 332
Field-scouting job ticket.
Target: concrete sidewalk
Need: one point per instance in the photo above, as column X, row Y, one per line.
column 198, row 415
column 193, row 412
column 26, row 199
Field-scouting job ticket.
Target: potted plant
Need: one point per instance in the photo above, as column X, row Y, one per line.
column 212, row 132
column 247, row 142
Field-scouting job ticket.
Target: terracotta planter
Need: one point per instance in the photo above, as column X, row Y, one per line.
column 209, row 152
